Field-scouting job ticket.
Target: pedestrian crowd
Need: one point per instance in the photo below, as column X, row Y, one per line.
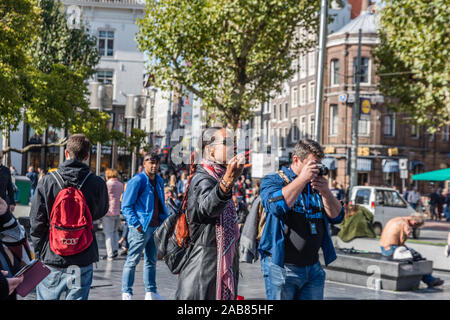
column 283, row 220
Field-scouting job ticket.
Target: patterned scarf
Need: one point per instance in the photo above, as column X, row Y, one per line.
column 227, row 233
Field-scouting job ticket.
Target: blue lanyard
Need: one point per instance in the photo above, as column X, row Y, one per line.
column 306, row 201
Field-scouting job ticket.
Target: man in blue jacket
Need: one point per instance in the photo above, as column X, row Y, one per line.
column 297, row 217
column 144, row 210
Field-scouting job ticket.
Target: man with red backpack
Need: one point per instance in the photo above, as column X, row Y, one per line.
column 66, row 203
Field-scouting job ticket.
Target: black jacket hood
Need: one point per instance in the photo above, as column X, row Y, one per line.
column 73, row 170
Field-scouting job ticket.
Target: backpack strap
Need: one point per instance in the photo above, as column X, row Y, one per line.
column 61, row 183
column 284, row 177
column 59, row 179
column 84, row 180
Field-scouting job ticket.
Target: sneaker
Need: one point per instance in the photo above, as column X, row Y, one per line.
column 123, row 252
column 153, row 296
column 446, row 250
column 437, row 282
column 127, row 296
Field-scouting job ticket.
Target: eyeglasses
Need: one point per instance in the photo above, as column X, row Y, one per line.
column 226, row 142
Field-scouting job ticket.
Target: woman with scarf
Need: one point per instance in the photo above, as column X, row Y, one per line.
column 211, row 272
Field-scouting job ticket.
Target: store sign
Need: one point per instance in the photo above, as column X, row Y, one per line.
column 403, row 174
column 403, row 164
column 343, row 98
column 366, row 106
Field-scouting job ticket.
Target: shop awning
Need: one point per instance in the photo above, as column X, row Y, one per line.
column 390, row 166
column 330, row 163
column 363, row 164
column 414, row 163
column 436, row 175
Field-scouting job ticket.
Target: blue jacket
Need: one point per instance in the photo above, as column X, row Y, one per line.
column 138, row 199
column 272, row 239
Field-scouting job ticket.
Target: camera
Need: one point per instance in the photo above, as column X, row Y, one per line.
column 323, row 170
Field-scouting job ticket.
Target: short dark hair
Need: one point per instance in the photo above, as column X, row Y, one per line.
column 305, row 147
column 152, row 156
column 78, row 146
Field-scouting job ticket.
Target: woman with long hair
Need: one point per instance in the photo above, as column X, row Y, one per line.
column 211, row 271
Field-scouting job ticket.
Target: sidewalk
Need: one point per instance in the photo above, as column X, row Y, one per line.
column 108, row 279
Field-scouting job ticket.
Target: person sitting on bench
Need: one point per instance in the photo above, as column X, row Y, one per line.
column 395, row 234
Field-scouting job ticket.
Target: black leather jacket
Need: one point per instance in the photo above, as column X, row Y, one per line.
column 6, row 185
column 206, row 201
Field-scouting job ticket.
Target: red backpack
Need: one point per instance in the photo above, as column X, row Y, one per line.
column 71, row 224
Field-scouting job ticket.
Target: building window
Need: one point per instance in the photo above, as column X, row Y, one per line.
column 302, row 66
column 303, row 127
column 311, row 91
column 311, row 126
column 280, row 110
column 364, row 77
column 285, row 137
column 415, row 131
column 363, row 127
column 286, row 110
column 303, row 94
column 266, row 107
column 311, row 63
column 295, row 69
column 334, row 119
column 274, row 112
column 334, row 72
column 445, row 132
column 294, row 131
column 294, row 97
column 280, row 138
column 389, row 125
column 106, row 43
column 105, row 76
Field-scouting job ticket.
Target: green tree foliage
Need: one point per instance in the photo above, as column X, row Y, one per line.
column 413, row 59
column 18, row 21
column 64, row 58
column 230, row 53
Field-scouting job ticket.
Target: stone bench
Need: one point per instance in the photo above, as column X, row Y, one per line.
column 374, row 271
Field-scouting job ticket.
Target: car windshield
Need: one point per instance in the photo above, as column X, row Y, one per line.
column 362, row 196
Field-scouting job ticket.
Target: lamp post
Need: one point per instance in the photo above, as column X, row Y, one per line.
column 134, row 110
column 320, row 67
column 101, row 100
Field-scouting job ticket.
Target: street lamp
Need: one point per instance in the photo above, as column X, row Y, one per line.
column 134, row 110
column 101, row 97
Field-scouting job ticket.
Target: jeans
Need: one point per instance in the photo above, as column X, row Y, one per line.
column 447, row 212
column 293, row 282
column 111, row 231
column 428, row 278
column 32, row 190
column 139, row 242
column 74, row 281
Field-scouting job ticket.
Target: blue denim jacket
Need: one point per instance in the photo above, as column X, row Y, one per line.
column 272, row 239
column 138, row 200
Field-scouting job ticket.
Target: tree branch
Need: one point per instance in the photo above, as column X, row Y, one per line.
column 60, row 143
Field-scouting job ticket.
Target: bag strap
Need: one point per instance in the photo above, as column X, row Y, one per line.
column 284, row 177
column 85, row 178
column 59, row 179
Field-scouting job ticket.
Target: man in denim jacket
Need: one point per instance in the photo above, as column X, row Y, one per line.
column 297, row 217
column 144, row 210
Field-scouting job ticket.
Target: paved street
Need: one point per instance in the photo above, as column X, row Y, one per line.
column 107, row 284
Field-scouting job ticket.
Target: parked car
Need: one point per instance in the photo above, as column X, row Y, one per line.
column 384, row 204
